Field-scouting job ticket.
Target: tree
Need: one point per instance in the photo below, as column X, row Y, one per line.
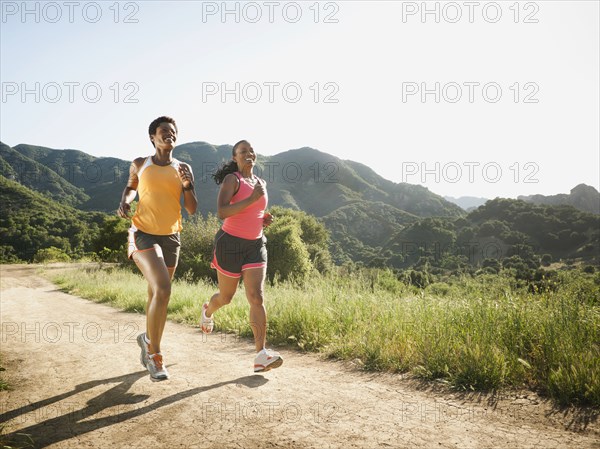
column 492, row 228
column 112, row 235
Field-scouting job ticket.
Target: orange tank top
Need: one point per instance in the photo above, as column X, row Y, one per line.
column 159, row 209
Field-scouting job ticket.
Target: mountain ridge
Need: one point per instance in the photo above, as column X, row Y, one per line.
column 583, row 197
column 370, row 219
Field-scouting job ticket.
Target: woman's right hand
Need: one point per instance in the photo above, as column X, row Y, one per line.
column 124, row 209
column 259, row 190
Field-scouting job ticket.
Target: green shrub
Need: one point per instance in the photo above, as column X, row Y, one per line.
column 418, row 278
column 197, row 240
column 288, row 255
column 113, row 255
column 8, row 254
column 51, row 254
column 314, row 235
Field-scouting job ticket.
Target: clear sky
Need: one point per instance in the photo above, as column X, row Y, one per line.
column 467, row 98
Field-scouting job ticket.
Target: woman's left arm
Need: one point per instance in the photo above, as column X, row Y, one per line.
column 190, row 202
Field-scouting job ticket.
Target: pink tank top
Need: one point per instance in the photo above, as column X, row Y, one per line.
column 247, row 224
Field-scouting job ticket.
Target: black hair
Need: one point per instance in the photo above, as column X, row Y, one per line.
column 228, row 167
column 156, row 122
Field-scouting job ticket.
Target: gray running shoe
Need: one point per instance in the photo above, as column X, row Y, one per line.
column 141, row 341
column 154, row 364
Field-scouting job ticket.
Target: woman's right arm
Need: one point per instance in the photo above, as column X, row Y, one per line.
column 130, row 190
column 228, row 188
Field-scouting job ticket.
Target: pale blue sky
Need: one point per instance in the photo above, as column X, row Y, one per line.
column 373, row 50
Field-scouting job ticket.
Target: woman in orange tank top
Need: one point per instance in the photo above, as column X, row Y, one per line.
column 240, row 250
column 160, row 180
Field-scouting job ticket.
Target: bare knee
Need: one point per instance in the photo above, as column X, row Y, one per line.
column 255, row 297
column 162, row 291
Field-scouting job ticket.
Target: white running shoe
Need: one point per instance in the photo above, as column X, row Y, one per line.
column 155, row 364
column 207, row 324
column 266, row 360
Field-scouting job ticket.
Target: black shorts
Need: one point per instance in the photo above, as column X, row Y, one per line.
column 232, row 255
column 166, row 246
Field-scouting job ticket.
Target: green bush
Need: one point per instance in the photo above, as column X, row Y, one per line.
column 8, row 254
column 418, row 278
column 314, row 235
column 197, row 240
column 113, row 255
column 438, row 289
column 51, row 254
column 288, row 255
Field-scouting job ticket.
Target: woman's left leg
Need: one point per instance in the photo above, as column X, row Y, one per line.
column 254, row 281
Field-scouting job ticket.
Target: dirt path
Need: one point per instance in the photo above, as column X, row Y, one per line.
column 78, row 383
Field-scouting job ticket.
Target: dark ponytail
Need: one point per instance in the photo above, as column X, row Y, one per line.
column 227, row 167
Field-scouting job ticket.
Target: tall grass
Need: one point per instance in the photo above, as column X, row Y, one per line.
column 481, row 333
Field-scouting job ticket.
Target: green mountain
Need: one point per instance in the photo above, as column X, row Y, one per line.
column 100, row 178
column 38, row 175
column 304, row 178
column 320, row 183
column 30, row 221
column 48, row 195
column 361, row 208
column 360, row 230
column 583, row 197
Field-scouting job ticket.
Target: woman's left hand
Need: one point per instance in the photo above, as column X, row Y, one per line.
column 186, row 177
column 267, row 219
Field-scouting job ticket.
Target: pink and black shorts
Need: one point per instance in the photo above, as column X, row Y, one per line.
column 232, row 255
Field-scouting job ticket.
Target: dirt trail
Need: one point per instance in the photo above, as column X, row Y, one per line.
column 74, row 366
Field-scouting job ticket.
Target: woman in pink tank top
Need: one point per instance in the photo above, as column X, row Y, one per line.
column 240, row 250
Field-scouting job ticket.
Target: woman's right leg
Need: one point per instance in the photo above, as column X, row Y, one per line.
column 227, row 288
column 159, row 292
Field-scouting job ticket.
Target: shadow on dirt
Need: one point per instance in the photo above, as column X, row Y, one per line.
column 113, row 406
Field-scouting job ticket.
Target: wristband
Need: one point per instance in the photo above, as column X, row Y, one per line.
column 187, row 189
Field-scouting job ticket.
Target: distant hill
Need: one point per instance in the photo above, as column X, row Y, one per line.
column 583, row 197
column 502, row 228
column 467, row 203
column 561, row 231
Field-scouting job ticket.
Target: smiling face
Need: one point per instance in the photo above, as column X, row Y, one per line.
column 165, row 136
column 245, row 157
